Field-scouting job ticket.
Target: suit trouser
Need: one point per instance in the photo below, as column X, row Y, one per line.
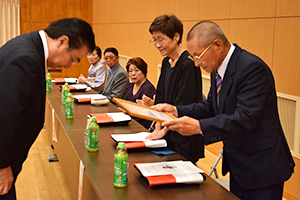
column 273, row 192
column 11, row 195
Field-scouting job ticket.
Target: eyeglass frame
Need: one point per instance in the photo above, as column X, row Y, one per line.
column 203, row 52
column 155, row 41
column 73, row 59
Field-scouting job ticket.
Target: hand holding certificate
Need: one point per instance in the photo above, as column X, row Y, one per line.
column 143, row 112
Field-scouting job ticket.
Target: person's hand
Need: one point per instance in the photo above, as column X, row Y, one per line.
column 6, row 179
column 81, row 79
column 167, row 108
column 158, row 132
column 124, row 111
column 147, row 101
column 184, row 125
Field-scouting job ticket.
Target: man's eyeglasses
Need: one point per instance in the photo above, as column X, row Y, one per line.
column 199, row 57
column 109, row 57
column 73, row 59
column 157, row 41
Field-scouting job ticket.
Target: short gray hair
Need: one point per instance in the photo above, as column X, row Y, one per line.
column 206, row 32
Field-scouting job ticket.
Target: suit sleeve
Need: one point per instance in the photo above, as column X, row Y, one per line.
column 17, row 82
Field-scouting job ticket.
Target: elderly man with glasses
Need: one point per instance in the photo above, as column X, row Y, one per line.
column 241, row 110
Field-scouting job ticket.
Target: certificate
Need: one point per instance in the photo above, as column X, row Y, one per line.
column 143, row 112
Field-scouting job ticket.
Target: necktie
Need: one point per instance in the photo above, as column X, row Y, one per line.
column 218, row 86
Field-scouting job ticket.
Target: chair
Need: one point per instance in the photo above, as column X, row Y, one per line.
column 222, row 181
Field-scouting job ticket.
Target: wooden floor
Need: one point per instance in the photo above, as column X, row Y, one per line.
column 43, row 180
column 39, row 178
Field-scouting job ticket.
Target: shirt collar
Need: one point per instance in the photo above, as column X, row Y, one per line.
column 222, row 68
column 45, row 45
column 112, row 69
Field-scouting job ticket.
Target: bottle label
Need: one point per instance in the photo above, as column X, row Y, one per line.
column 69, row 109
column 48, row 85
column 121, row 170
column 93, row 139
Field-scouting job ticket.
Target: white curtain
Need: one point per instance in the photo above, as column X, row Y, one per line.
column 9, row 20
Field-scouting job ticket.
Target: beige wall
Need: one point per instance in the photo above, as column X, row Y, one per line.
column 267, row 28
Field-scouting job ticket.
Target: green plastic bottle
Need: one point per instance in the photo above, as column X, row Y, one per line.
column 69, row 107
column 121, row 166
column 93, row 136
column 48, row 82
column 64, row 92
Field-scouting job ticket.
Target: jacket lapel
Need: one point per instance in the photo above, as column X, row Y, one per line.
column 228, row 78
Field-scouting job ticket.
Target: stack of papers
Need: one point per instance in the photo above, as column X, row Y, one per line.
column 66, row 80
column 137, row 140
column 169, row 172
column 117, row 118
column 88, row 97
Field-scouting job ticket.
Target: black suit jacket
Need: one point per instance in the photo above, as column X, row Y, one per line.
column 255, row 149
column 22, row 98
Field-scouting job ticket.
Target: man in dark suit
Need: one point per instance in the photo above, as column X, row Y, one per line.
column 117, row 78
column 243, row 114
column 23, row 66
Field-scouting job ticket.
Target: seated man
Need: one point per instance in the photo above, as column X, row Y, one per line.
column 117, row 78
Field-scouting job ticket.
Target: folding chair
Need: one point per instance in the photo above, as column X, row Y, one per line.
column 222, row 181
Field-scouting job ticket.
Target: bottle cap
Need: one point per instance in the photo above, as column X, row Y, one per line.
column 48, row 74
column 69, row 94
column 93, row 119
column 66, row 83
column 121, row 145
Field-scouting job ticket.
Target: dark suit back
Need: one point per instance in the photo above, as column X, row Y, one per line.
column 22, row 101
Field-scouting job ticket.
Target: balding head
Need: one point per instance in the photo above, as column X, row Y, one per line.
column 206, row 32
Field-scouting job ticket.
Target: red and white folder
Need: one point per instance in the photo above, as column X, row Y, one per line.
column 66, row 80
column 88, row 97
column 170, row 172
column 75, row 87
column 112, row 118
column 137, row 140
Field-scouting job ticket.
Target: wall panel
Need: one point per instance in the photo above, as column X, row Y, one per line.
column 256, row 36
column 187, row 10
column 287, row 8
column 286, row 60
column 214, row 9
column 252, row 8
column 37, row 15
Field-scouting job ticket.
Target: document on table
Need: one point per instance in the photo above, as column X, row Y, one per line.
column 137, row 140
column 169, row 172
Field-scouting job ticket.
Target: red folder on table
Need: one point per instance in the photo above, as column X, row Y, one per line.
column 88, row 97
column 65, row 80
column 170, row 172
column 117, row 118
column 137, row 140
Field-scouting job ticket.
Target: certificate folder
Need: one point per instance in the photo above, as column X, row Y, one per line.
column 86, row 98
column 118, row 118
column 143, row 112
column 137, row 140
column 66, row 80
column 75, row 87
column 170, row 172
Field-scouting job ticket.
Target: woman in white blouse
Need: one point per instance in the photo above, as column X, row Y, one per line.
column 97, row 71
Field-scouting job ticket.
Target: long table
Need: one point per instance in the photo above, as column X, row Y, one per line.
column 99, row 173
